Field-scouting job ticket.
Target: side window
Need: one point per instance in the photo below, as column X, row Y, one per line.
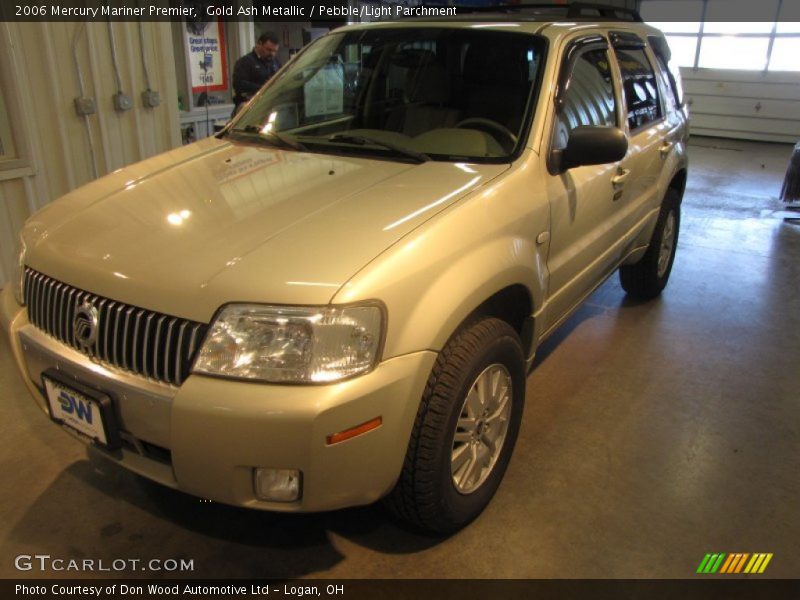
column 667, row 81
column 669, row 65
column 639, row 85
column 589, row 99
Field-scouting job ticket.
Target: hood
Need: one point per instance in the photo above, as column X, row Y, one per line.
column 190, row 230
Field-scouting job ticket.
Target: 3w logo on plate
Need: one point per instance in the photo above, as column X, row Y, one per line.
column 734, row 563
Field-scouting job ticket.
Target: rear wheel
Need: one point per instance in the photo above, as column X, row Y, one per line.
column 648, row 277
column 465, row 429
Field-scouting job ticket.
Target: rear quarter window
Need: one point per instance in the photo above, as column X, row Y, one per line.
column 668, row 66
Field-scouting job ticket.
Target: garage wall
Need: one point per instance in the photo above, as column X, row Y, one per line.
column 39, row 82
column 751, row 105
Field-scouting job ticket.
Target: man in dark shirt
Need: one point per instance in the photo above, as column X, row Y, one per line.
column 253, row 70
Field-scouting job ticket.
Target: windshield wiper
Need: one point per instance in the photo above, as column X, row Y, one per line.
column 282, row 138
column 361, row 140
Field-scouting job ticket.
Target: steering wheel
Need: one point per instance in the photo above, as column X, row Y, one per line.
column 502, row 134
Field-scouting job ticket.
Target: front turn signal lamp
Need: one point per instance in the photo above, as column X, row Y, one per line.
column 347, row 434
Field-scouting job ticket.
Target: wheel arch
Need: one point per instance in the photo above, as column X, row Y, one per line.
column 512, row 304
column 678, row 182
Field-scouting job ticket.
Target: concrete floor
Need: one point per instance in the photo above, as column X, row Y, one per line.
column 653, row 433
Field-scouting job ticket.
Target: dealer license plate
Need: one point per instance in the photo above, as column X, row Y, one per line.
column 86, row 411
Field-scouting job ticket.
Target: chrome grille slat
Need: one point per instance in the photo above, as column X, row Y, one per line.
column 54, row 306
column 42, row 309
column 148, row 321
column 156, row 346
column 26, row 292
column 58, row 302
column 134, row 354
column 134, row 339
column 179, row 353
column 117, row 317
column 34, row 314
column 99, row 305
column 106, row 329
column 167, row 350
column 94, row 301
column 63, row 313
column 126, row 329
column 193, row 341
column 48, row 292
column 39, row 290
column 48, row 309
column 70, row 311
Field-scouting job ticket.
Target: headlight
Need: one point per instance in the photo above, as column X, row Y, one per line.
column 19, row 272
column 285, row 344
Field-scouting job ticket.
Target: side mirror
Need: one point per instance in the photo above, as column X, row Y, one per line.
column 590, row 145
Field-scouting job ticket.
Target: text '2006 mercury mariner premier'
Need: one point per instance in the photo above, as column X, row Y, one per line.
column 337, row 298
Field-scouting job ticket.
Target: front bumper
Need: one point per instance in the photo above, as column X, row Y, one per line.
column 206, row 437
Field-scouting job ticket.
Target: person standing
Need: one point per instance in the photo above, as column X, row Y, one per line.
column 253, row 70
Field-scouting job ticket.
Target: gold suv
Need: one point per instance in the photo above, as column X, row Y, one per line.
column 338, row 297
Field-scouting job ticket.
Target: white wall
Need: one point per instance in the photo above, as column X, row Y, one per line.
column 40, row 81
column 750, row 105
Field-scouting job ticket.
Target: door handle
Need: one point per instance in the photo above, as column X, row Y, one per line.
column 665, row 149
column 619, row 179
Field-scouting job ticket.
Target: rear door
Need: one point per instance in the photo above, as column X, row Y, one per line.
column 648, row 131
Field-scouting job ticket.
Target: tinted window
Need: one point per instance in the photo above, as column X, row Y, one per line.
column 451, row 93
column 667, row 85
column 668, row 66
column 639, row 85
column 589, row 98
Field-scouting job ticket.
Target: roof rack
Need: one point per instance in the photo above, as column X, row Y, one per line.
column 575, row 10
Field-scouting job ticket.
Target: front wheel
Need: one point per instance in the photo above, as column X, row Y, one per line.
column 465, row 429
column 648, row 277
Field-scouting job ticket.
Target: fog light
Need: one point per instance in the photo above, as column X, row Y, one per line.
column 277, row 485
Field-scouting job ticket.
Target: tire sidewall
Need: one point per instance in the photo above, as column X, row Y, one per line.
column 670, row 205
column 459, row 508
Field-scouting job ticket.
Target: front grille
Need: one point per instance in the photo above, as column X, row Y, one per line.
column 147, row 343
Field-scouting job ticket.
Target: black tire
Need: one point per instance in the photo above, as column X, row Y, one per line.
column 643, row 279
column 425, row 494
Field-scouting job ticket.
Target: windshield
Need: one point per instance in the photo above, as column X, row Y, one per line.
column 426, row 93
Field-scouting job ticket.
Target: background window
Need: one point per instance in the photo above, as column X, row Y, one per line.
column 589, row 99
column 729, row 34
column 684, row 49
column 640, row 88
column 785, row 54
column 732, row 52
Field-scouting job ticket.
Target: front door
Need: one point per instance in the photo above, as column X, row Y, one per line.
column 586, row 220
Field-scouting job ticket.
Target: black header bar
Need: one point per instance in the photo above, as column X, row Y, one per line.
column 341, row 11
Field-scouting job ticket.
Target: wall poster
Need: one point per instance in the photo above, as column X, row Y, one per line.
column 205, row 52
